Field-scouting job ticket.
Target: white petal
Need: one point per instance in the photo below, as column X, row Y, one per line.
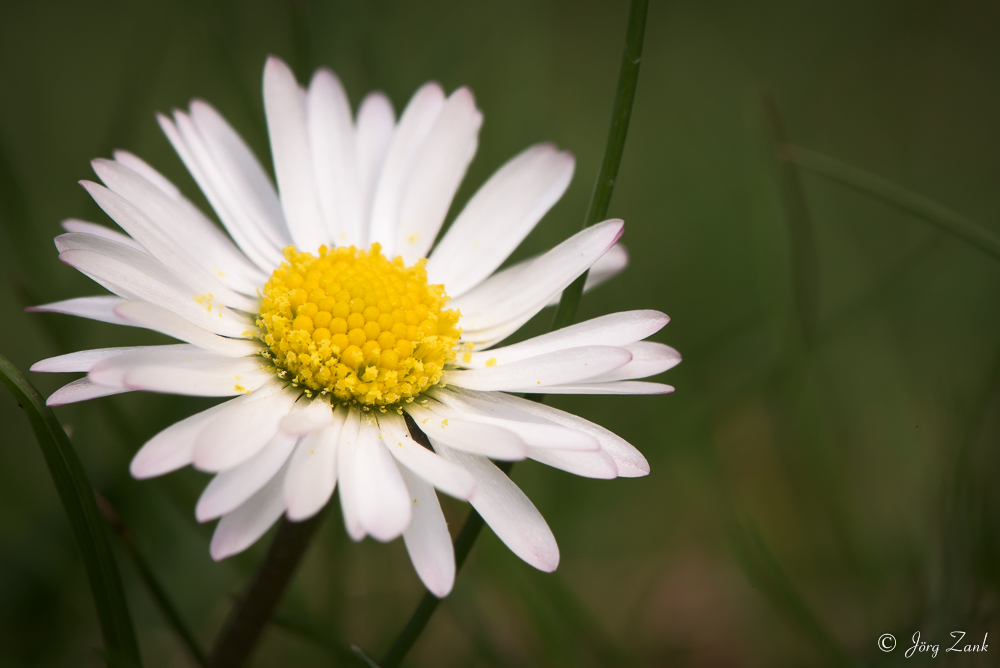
column 446, row 476
column 83, row 360
column 630, row 462
column 286, row 126
column 100, row 308
column 247, row 179
column 139, row 277
column 648, row 359
column 438, row 171
column 307, row 415
column 407, row 141
column 182, row 369
column 84, row 227
column 230, row 489
column 536, row 432
column 375, row 124
column 334, row 157
column 609, row 265
column 173, row 231
column 240, row 432
column 198, row 235
column 615, row 329
column 383, row 503
column 346, row 457
column 499, row 216
column 557, row 368
column 144, row 314
column 499, row 305
column 148, row 215
column 80, row 389
column 427, row 539
column 172, row 448
column 615, row 387
column 220, row 190
column 143, row 169
column 511, row 515
column 479, row 438
column 312, row 472
column 241, row 528
column 596, row 464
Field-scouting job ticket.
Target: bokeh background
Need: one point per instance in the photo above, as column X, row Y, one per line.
column 826, row 471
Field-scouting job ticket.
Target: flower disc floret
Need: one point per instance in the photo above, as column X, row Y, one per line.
column 356, row 325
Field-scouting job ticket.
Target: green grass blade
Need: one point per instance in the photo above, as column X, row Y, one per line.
column 585, row 626
column 767, row 576
column 628, row 79
column 890, row 193
column 80, row 503
column 805, row 264
column 360, row 653
column 428, row 604
column 307, row 631
column 156, row 589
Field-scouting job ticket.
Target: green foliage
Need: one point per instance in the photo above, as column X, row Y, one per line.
column 890, row 193
column 154, row 587
column 80, row 504
column 569, row 301
column 825, row 472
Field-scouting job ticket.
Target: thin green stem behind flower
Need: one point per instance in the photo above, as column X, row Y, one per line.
column 628, row 79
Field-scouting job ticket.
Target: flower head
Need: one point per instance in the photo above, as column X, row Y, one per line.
column 357, row 326
column 345, row 336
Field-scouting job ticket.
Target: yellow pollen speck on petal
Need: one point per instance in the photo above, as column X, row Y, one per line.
column 491, row 361
column 239, row 388
column 206, row 301
column 444, row 423
column 353, row 323
column 413, row 237
column 466, row 357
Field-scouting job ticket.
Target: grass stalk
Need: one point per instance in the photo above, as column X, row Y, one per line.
column 628, row 78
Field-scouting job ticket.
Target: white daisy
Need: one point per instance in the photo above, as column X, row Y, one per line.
column 320, row 316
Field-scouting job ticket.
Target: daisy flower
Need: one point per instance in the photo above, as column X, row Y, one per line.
column 347, row 339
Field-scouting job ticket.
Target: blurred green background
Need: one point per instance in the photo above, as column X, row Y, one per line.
column 821, row 476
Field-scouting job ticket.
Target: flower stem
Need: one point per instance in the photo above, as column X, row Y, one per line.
column 243, row 629
column 429, row 603
column 628, row 77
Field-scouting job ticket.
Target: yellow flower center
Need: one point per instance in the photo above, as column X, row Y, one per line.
column 354, row 324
